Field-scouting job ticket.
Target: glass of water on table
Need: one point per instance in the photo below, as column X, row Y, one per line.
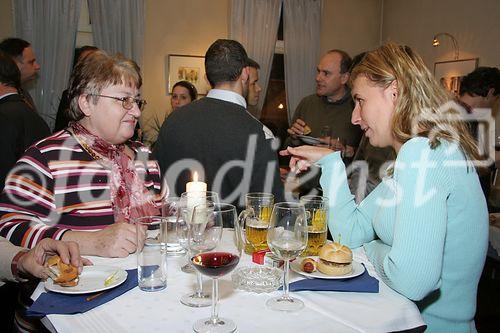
column 170, row 211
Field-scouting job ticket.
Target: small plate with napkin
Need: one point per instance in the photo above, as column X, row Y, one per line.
column 364, row 283
column 57, row 303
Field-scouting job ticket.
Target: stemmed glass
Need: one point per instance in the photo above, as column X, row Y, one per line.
column 187, row 223
column 287, row 239
column 218, row 262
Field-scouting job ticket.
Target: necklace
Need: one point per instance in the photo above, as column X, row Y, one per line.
column 89, row 150
column 85, row 146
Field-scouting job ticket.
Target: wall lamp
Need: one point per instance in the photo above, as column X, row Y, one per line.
column 435, row 42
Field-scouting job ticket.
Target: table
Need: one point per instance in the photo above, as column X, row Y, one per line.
column 138, row 311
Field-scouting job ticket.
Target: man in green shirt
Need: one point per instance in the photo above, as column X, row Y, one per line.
column 331, row 106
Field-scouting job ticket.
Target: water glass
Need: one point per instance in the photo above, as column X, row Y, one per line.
column 170, row 210
column 151, row 252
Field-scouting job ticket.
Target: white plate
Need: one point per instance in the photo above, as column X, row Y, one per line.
column 310, row 140
column 91, row 280
column 357, row 269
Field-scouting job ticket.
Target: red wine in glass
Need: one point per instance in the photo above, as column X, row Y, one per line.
column 215, row 264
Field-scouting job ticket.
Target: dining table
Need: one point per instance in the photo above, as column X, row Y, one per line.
column 161, row 311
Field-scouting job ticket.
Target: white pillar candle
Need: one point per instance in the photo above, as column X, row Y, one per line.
column 195, row 194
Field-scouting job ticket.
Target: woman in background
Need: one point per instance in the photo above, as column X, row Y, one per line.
column 425, row 226
column 183, row 93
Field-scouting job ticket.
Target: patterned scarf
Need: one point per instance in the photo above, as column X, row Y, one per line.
column 129, row 196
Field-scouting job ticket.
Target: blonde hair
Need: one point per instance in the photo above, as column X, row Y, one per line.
column 97, row 71
column 423, row 108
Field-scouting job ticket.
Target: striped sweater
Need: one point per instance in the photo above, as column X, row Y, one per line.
column 57, row 186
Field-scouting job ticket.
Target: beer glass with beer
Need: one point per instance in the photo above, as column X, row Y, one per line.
column 255, row 220
column 317, row 213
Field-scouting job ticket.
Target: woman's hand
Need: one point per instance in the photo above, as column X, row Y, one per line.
column 32, row 263
column 117, row 240
column 304, row 156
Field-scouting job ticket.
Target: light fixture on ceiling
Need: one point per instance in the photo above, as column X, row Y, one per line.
column 435, row 42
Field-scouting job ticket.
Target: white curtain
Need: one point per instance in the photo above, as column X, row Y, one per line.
column 50, row 26
column 301, row 31
column 118, row 26
column 254, row 23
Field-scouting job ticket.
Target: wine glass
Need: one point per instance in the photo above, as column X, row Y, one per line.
column 183, row 219
column 187, row 224
column 218, row 262
column 325, row 136
column 287, row 239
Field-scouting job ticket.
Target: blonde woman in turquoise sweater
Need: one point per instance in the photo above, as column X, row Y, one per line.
column 425, row 227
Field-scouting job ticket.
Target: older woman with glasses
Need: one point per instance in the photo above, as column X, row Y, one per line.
column 87, row 182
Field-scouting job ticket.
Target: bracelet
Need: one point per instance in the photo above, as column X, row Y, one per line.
column 13, row 265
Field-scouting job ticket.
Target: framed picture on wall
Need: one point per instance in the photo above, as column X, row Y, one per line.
column 449, row 73
column 186, row 68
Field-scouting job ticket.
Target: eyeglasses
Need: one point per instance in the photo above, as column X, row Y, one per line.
column 127, row 102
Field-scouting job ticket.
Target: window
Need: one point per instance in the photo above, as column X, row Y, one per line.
column 274, row 112
column 84, row 33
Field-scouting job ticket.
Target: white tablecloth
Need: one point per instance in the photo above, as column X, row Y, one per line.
column 138, row 311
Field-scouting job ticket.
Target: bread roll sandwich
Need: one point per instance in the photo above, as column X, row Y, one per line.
column 307, row 130
column 65, row 275
column 335, row 259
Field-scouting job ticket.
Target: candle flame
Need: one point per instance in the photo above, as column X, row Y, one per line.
column 195, row 176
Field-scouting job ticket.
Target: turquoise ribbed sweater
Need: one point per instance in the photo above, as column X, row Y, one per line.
column 425, row 229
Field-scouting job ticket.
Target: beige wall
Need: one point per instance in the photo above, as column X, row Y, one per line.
column 350, row 25
column 176, row 27
column 475, row 24
column 6, row 29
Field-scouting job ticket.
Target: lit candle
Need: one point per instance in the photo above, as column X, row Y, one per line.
column 195, row 195
column 195, row 185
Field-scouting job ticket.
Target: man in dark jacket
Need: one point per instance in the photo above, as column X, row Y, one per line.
column 20, row 125
column 217, row 137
